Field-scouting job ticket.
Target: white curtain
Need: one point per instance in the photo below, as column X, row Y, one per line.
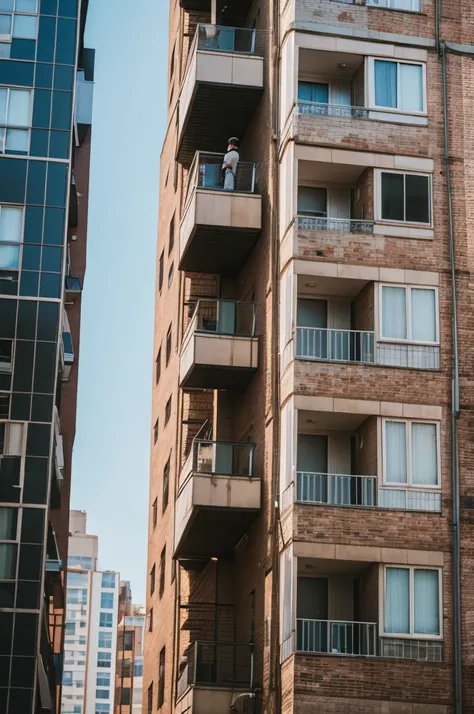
column 394, row 313
column 395, row 452
column 397, row 600
column 426, row 602
column 19, row 107
column 411, row 87
column 385, row 83
column 7, row 561
column 8, row 520
column 423, row 315
column 424, row 454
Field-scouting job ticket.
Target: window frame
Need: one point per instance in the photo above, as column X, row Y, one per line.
column 169, row 345
column 106, row 595
column 171, row 234
column 161, row 677
column 412, row 635
column 408, row 323
column 162, row 573
column 398, row 62
column 100, row 654
column 409, row 485
column 165, row 485
column 154, row 513
column 161, row 270
column 168, row 410
column 378, row 198
column 15, row 244
column 398, row 9
column 106, row 617
column 156, row 426
column 158, row 366
column 153, row 579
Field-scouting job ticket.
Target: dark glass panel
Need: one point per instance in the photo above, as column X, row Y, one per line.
column 44, row 76
column 64, row 77
column 23, row 371
column 36, row 182
column 10, row 467
column 66, row 42
column 7, row 595
column 28, row 595
column 54, row 226
column 46, row 39
column 23, row 49
column 37, row 443
column 29, row 284
column 50, row 285
column 30, row 563
column 31, row 258
column 45, row 367
column 12, row 180
column 36, row 480
column 39, row 142
column 27, row 313
column 392, row 197
column 52, row 259
column 418, row 199
column 42, row 407
column 5, row 666
column 59, row 145
column 16, row 73
column 32, row 525
column 8, row 321
column 21, row 406
column 33, row 224
column 48, row 321
column 6, row 628
column 23, row 671
column 56, row 188
column 67, row 8
column 42, row 108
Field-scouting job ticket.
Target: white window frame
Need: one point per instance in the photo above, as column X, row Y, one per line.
column 17, row 127
column 409, row 485
column 22, row 455
column 389, row 5
column 408, row 289
column 378, row 198
column 412, row 635
column 371, row 86
column 19, row 243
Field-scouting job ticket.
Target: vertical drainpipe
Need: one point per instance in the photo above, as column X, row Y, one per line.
column 455, row 408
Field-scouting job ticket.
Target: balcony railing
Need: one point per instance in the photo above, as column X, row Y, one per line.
column 316, row 343
column 320, row 109
column 338, row 225
column 336, row 489
column 336, row 637
column 222, row 317
column 358, row 639
column 206, row 173
column 329, row 345
column 409, row 499
column 223, row 458
column 218, row 664
column 235, row 40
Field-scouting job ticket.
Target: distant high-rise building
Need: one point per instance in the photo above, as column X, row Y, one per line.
column 130, row 640
column 92, row 602
column 46, row 88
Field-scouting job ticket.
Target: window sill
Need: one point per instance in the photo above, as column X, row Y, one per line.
column 395, row 117
column 399, row 230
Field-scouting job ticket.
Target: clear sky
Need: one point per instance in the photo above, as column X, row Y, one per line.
column 111, row 452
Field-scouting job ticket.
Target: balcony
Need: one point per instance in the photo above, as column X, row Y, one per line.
column 220, row 350
column 67, row 348
column 72, row 288
column 219, row 227
column 221, row 90
column 218, row 499
column 212, row 675
column 234, row 12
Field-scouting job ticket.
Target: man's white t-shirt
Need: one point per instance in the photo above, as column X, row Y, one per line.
column 231, row 159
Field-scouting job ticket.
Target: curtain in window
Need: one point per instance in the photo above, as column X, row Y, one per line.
column 385, row 83
column 424, row 455
column 395, row 452
column 397, row 600
column 423, row 315
column 19, row 107
column 8, row 519
column 7, row 561
column 411, row 87
column 313, row 92
column 426, row 602
column 394, row 313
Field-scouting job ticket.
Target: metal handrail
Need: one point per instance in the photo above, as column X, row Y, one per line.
column 198, row 443
column 202, row 302
column 246, row 175
column 336, row 489
column 337, row 637
column 304, row 106
column 341, row 225
column 334, row 345
column 209, row 39
column 218, row 658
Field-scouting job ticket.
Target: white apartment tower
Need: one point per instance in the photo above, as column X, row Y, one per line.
column 91, row 626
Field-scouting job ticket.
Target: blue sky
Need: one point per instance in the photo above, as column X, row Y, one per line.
column 111, row 453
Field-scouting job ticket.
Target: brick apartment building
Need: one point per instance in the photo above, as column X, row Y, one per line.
column 312, row 459
column 46, row 97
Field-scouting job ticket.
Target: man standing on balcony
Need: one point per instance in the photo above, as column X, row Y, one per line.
column 229, row 166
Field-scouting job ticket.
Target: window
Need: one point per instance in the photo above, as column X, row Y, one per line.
column 155, row 432
column 169, row 340
column 67, row 678
column 171, row 236
column 138, row 668
column 102, row 694
column 312, row 201
column 76, row 596
column 70, row 628
column 170, row 274
column 11, row 229
column 152, row 580
column 8, row 523
column 125, row 695
column 173, row 570
column 161, row 679
column 398, row 85
column 102, row 708
column 105, row 639
column 149, row 697
column 172, row 62
column 404, row 198
column 158, row 366
column 77, row 578
column 8, row 561
column 166, row 483
column 150, row 620
column 409, row 314
column 108, row 580
column 127, row 641
column 313, row 92
column 161, row 270
column 103, row 679
column 107, row 601
column 82, row 562
column 411, row 453
column 15, row 111
column 154, row 510
column 409, row 5
column 168, row 411
column 105, row 619
column 162, row 571
column 412, row 602
column 104, row 659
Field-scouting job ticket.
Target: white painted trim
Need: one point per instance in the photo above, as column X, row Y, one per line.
column 378, row 199
column 371, row 78
column 412, row 635
column 382, row 447
column 408, row 290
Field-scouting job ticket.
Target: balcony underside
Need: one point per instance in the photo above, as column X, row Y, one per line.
column 214, row 532
column 208, row 376
column 216, row 112
column 229, row 12
column 218, row 249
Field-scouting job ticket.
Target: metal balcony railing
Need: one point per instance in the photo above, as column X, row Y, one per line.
column 317, row 343
column 409, row 499
column 336, row 489
column 206, row 173
column 222, row 317
column 338, row 225
column 235, row 40
column 336, row 637
column 221, row 664
column 358, row 639
column 223, row 458
column 320, row 109
column 411, row 356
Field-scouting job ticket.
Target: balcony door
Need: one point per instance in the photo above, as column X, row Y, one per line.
column 223, row 459
column 312, row 321
column 226, row 310
column 312, row 467
column 312, row 612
